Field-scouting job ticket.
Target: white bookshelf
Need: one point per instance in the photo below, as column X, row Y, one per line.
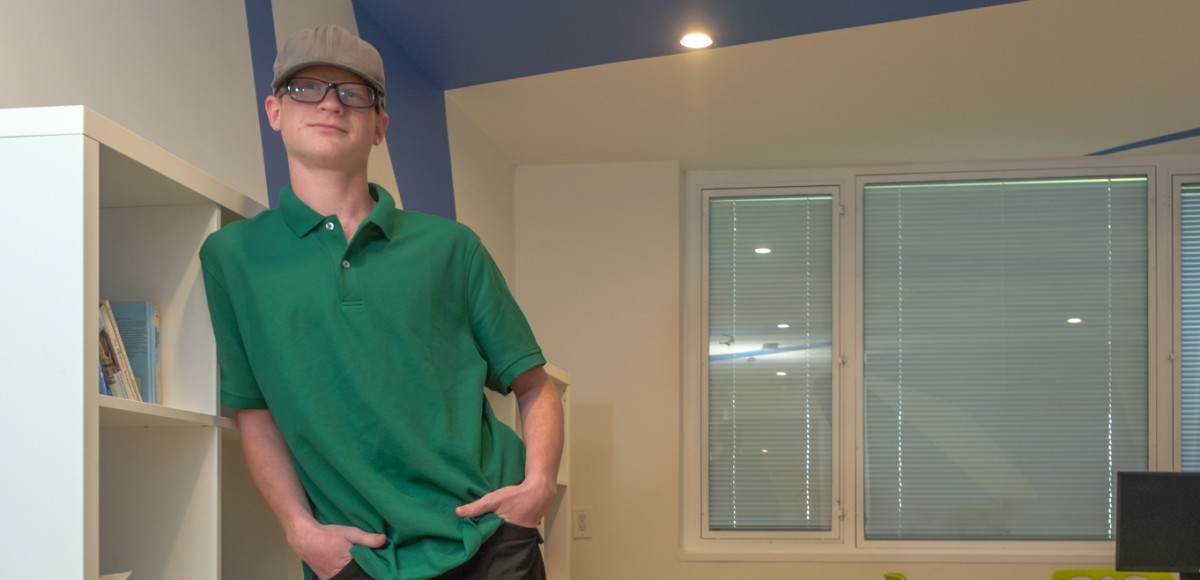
column 556, row 527
column 95, row 484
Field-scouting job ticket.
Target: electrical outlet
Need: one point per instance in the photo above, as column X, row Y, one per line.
column 581, row 523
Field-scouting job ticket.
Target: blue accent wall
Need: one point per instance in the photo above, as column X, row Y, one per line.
column 417, row 137
column 261, row 23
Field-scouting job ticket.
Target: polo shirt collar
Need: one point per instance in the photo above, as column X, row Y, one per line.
column 384, row 213
column 303, row 219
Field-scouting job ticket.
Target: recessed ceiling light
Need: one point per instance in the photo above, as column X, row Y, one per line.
column 696, row 40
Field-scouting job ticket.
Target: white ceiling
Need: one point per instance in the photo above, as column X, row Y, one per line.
column 1037, row 79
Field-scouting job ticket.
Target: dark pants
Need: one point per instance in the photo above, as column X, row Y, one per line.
column 510, row 554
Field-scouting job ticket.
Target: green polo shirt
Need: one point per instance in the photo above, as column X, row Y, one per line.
column 371, row 356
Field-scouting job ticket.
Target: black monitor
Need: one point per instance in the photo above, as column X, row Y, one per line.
column 1158, row 522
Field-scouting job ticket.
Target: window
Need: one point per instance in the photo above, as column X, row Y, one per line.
column 1189, row 291
column 770, row 370
column 1005, row 344
column 971, row 354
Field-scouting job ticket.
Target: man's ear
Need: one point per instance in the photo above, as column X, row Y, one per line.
column 381, row 125
column 272, row 106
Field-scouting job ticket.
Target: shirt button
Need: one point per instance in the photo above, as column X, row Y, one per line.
column 345, row 264
column 329, row 225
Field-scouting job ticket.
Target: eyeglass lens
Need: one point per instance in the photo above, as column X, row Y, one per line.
column 307, row 90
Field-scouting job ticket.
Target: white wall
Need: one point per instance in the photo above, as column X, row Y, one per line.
column 483, row 188
column 176, row 73
column 598, row 262
column 598, row 257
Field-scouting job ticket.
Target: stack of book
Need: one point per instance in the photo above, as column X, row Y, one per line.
column 130, row 364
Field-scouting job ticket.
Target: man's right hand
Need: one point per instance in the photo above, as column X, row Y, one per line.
column 326, row 548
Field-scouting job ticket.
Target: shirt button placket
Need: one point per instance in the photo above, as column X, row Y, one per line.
column 349, row 282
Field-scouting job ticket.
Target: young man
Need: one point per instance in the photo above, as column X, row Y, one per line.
column 354, row 342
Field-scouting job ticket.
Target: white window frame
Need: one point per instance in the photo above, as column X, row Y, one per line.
column 846, row 542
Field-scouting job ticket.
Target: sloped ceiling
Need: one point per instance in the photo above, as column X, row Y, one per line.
column 1034, row 79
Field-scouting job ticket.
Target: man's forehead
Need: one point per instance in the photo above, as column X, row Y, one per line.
column 329, row 73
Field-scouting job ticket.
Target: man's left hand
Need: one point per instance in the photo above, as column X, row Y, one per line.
column 523, row 505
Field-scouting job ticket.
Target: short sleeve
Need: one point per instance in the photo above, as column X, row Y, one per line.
column 239, row 389
column 500, row 328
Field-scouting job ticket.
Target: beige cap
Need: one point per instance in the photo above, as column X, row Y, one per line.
column 331, row 45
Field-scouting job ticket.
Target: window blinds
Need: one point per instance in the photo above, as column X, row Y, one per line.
column 1005, row 356
column 770, row 284
column 1189, row 290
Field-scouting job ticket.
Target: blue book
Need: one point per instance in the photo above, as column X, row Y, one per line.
column 105, row 389
column 138, row 324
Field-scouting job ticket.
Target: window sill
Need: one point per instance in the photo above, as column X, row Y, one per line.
column 1073, row 553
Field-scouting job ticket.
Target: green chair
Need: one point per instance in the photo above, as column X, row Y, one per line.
column 893, row 576
column 1108, row 573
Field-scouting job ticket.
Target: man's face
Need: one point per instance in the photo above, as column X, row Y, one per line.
column 327, row 134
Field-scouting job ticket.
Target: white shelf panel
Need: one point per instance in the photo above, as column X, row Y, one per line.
column 560, row 377
column 117, row 412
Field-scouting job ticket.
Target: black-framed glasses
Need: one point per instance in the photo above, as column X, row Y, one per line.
column 306, row 90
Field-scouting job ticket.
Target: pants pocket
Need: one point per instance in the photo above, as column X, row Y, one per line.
column 352, row 571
